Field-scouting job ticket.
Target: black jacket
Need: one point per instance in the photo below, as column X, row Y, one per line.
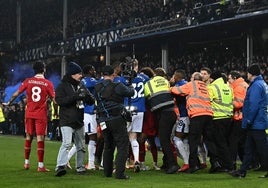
column 110, row 97
column 70, row 115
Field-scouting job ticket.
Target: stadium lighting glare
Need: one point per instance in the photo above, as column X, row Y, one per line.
column 101, row 58
column 241, row 2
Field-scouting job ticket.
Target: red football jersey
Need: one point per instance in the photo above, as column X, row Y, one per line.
column 38, row 89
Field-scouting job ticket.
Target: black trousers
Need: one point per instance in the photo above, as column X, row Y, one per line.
column 256, row 143
column 201, row 125
column 115, row 135
column 222, row 134
column 237, row 140
column 166, row 121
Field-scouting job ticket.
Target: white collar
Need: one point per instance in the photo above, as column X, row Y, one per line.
column 39, row 76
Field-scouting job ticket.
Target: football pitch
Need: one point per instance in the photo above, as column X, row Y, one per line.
column 12, row 173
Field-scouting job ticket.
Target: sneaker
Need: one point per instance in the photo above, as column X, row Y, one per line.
column 238, row 174
column 90, row 167
column 100, row 167
column 155, row 167
column 44, row 169
column 214, row 167
column 60, row 171
column 137, row 167
column 81, row 170
column 143, row 167
column 173, row 169
column 264, row 176
column 184, row 168
column 26, row 166
column 123, row 177
column 193, row 170
column 69, row 165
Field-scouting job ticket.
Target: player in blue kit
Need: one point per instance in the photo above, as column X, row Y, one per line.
column 90, row 122
column 138, row 102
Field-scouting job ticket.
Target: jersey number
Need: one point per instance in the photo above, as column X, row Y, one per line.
column 139, row 88
column 36, row 94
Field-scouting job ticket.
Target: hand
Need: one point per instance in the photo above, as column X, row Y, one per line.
column 6, row 103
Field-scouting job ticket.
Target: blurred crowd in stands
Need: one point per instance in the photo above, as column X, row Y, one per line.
column 192, row 62
column 41, row 21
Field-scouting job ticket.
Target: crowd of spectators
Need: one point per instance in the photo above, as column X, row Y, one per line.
column 41, row 21
column 7, row 20
column 215, row 60
column 14, row 119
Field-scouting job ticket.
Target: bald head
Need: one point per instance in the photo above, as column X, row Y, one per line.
column 196, row 76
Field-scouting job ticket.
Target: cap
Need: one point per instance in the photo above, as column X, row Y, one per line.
column 254, row 69
column 73, row 68
column 107, row 70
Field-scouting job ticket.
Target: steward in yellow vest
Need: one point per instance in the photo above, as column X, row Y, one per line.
column 162, row 103
column 221, row 97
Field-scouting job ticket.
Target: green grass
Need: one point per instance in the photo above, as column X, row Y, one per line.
column 12, row 173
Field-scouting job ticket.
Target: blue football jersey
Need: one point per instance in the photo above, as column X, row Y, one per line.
column 138, row 98
column 89, row 82
column 181, row 101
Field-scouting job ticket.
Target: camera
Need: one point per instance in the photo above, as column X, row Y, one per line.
column 127, row 68
column 127, row 112
column 85, row 94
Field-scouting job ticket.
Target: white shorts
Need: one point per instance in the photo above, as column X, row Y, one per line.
column 90, row 123
column 182, row 125
column 136, row 124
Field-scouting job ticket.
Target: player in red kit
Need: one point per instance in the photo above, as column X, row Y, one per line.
column 38, row 90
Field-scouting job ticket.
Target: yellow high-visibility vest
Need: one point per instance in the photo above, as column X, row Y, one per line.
column 221, row 96
column 2, row 115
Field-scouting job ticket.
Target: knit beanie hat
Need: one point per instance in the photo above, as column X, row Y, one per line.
column 254, row 69
column 73, row 68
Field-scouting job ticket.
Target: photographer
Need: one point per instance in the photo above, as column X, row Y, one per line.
column 110, row 98
column 71, row 95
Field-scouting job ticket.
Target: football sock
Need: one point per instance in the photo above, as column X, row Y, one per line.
column 91, row 152
column 27, row 149
column 71, row 152
column 154, row 150
column 40, row 164
column 180, row 145
column 40, row 151
column 142, row 151
column 135, row 149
